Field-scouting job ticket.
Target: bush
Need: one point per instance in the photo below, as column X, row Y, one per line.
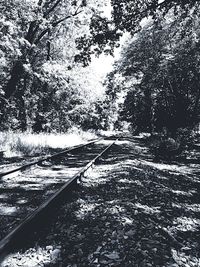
column 186, row 137
column 167, row 147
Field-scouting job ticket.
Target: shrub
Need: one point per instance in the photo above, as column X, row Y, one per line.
column 168, row 147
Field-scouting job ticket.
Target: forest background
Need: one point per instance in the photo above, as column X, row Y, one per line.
column 47, row 81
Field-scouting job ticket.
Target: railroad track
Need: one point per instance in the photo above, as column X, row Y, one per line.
column 28, row 193
column 42, row 159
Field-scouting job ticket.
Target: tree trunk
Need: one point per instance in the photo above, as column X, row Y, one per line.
column 16, row 74
column 196, row 105
column 149, row 109
column 22, row 106
column 22, row 114
column 3, row 105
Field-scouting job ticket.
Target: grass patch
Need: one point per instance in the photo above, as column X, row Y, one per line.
column 29, row 144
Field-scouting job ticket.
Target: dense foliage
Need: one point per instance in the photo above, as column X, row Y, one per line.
column 160, row 70
column 45, row 45
column 42, row 85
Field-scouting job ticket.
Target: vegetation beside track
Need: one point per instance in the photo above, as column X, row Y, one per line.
column 18, row 144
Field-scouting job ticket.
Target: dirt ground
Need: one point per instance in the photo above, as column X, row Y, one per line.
column 127, row 211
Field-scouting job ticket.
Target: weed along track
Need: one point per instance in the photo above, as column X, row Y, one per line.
column 45, row 158
column 28, row 193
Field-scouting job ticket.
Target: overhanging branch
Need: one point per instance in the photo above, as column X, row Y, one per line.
column 54, row 24
column 52, row 8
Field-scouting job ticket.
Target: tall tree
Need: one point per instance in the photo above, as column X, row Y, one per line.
column 163, row 63
column 36, row 33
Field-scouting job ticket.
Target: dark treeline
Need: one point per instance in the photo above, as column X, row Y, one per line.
column 159, row 72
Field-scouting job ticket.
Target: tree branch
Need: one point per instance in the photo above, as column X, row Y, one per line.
column 40, row 2
column 63, row 19
column 195, row 109
column 33, row 28
column 152, row 6
column 52, row 8
column 5, row 100
column 54, row 24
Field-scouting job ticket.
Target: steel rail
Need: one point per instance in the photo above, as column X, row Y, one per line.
column 31, row 220
column 95, row 159
column 23, row 167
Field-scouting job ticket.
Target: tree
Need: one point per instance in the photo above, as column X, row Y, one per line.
column 126, row 17
column 163, row 62
column 38, row 33
column 42, row 33
column 35, row 35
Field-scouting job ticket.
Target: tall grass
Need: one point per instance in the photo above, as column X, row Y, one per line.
column 29, row 144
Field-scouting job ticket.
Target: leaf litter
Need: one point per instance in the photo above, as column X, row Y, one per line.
column 137, row 215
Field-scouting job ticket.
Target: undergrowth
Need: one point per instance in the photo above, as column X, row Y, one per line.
column 30, row 144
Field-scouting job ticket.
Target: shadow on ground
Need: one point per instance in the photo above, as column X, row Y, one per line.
column 128, row 211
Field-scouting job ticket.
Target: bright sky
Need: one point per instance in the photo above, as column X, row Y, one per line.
column 102, row 65
column 107, row 9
